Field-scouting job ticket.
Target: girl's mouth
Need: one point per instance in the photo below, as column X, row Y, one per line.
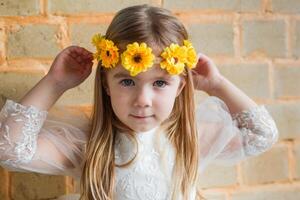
column 141, row 116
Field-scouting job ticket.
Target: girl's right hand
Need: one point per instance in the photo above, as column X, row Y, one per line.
column 71, row 67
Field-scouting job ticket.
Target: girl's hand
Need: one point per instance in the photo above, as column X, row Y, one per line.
column 206, row 75
column 71, row 67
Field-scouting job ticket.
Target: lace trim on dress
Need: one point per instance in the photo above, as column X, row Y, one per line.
column 258, row 129
column 24, row 147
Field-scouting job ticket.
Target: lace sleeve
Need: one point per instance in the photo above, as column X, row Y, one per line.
column 226, row 139
column 258, row 129
column 19, row 144
column 33, row 140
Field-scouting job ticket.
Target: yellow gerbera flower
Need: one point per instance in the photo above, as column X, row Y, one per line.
column 137, row 58
column 174, row 58
column 191, row 59
column 96, row 40
column 107, row 52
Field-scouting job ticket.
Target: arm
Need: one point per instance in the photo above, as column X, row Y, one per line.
column 18, row 126
column 43, row 95
column 255, row 124
column 29, row 141
column 256, row 129
column 231, row 125
column 234, row 98
column 207, row 77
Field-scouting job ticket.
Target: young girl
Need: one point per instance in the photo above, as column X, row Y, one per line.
column 146, row 139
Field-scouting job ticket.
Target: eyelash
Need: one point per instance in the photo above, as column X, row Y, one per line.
column 122, row 82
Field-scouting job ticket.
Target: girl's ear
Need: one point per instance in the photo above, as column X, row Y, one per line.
column 181, row 86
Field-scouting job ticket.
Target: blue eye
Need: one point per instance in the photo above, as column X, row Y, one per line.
column 161, row 83
column 126, row 82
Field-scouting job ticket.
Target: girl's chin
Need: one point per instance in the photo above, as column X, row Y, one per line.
column 143, row 128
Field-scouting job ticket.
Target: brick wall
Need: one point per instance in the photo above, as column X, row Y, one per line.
column 255, row 43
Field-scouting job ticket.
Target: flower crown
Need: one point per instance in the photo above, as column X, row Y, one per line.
column 139, row 57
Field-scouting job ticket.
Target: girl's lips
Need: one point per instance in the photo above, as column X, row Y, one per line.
column 141, row 117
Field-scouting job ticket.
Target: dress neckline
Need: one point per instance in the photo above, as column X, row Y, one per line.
column 147, row 134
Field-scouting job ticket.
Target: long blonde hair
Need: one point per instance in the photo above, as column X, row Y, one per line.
column 159, row 28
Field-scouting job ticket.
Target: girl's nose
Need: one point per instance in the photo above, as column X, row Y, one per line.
column 143, row 98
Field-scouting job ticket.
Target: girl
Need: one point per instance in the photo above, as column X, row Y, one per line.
column 143, row 101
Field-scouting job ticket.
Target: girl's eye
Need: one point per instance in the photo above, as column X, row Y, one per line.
column 161, row 83
column 126, row 82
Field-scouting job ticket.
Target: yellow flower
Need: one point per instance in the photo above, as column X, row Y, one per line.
column 96, row 40
column 174, row 58
column 107, row 52
column 137, row 58
column 191, row 54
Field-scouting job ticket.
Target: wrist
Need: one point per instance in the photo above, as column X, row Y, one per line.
column 217, row 85
column 54, row 85
column 43, row 95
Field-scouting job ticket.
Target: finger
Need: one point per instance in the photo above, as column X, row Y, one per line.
column 74, row 55
column 200, row 62
column 88, row 56
column 78, row 51
column 82, row 57
column 201, row 55
column 196, row 75
column 91, row 56
column 87, row 67
column 79, row 59
column 194, row 72
column 83, row 51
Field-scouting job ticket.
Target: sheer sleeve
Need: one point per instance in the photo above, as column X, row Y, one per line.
column 33, row 140
column 225, row 139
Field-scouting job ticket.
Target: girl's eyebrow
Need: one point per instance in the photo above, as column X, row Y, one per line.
column 170, row 78
column 121, row 75
column 125, row 75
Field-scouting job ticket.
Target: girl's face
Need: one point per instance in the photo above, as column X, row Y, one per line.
column 144, row 101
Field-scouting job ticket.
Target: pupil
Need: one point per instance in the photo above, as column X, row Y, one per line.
column 127, row 82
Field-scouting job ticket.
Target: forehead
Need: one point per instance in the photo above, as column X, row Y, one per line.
column 154, row 72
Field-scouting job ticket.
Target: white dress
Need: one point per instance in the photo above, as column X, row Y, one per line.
column 32, row 140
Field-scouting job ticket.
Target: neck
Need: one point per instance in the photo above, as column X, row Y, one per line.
column 149, row 131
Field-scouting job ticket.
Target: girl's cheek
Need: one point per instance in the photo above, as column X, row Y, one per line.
column 165, row 99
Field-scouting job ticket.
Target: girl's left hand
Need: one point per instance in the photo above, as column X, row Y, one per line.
column 206, row 75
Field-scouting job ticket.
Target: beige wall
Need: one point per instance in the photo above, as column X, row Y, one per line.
column 255, row 43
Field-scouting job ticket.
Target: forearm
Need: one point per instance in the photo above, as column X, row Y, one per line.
column 43, row 95
column 235, row 99
column 19, row 125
